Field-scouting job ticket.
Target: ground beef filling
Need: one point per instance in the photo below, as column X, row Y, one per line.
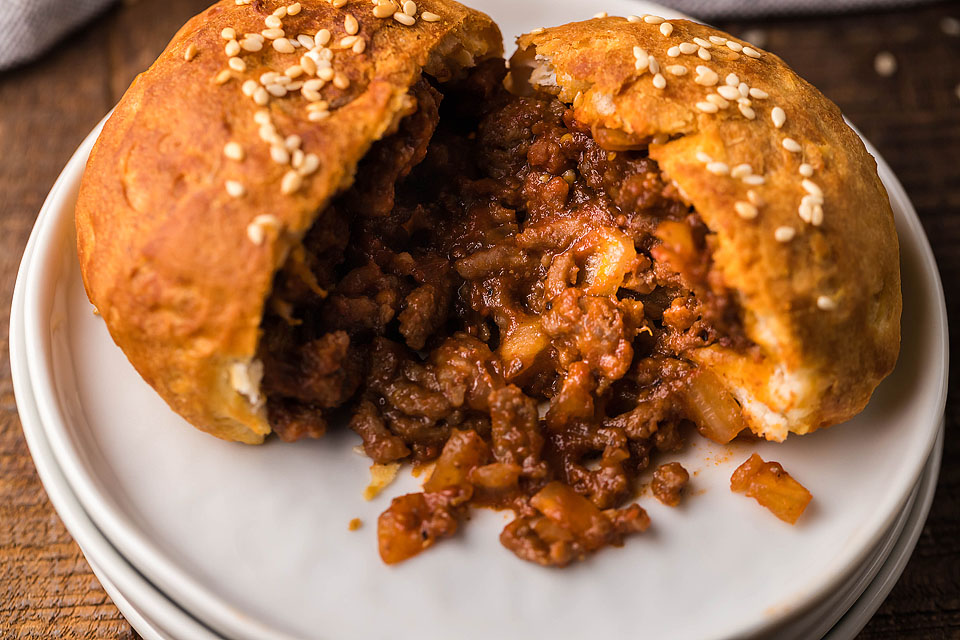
column 501, row 295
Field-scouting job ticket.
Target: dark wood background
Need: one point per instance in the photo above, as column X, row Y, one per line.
column 47, row 107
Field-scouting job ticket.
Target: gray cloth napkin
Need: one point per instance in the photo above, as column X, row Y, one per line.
column 30, row 27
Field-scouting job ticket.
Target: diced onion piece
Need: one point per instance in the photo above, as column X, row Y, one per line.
column 772, row 487
column 715, row 412
column 613, row 256
column 521, row 344
column 571, row 511
column 462, row 452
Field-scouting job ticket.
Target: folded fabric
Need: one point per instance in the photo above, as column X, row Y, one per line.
column 30, row 27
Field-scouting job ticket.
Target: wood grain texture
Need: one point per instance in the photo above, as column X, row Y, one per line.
column 46, row 109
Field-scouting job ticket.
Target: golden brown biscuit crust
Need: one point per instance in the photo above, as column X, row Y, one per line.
column 823, row 306
column 168, row 256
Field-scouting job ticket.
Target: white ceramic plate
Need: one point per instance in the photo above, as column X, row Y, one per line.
column 254, row 541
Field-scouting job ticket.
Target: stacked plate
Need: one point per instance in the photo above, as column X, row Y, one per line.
column 197, row 538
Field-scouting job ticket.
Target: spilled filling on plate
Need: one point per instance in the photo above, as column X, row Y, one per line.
column 511, row 295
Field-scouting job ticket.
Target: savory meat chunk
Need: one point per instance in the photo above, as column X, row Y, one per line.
column 669, row 481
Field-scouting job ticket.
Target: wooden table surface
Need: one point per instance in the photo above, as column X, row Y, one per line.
column 46, row 108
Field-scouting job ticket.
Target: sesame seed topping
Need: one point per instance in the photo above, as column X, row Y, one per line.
column 759, row 94
column 811, row 187
column 428, row 16
column 403, row 18
column 703, row 54
column 778, row 116
column 280, row 12
column 232, row 48
column 751, row 52
column 350, row 24
column 223, row 77
column 817, row 218
column 718, row 168
column 234, row 151
column 339, row 3
column 311, row 162
column 826, row 303
column 806, row 170
column 273, row 22
column 634, row 19
column 754, row 197
column 235, row 188
column 885, row 64
column 322, row 37
column 754, row 180
column 262, row 117
column 784, row 234
column 283, row 45
column 703, row 157
column 256, row 230
column 732, row 80
column 272, row 34
column 747, row 111
column 291, row 182
column 347, row 41
column 317, row 116
column 293, row 141
column 641, row 59
column 341, row 81
column 293, row 9
column 410, row 8
column 306, row 40
column 359, row 46
column 228, row 33
column 652, row 19
column 293, row 71
column 384, row 10
column 741, row 171
column 734, row 46
column 703, row 43
column 718, row 100
column 673, row 52
column 602, row 14
column 325, row 73
column 296, row 158
column 654, row 65
column 743, row 89
column 190, row 53
column 237, row 64
column 279, row 154
column 791, row 145
column 728, row 92
column 688, row 48
column 805, row 211
column 659, row 81
column 707, row 107
column 717, row 39
column 676, row 69
column 250, row 44
column 746, row 210
column 666, row 29
column 249, row 87
column 706, row 76
column 319, row 106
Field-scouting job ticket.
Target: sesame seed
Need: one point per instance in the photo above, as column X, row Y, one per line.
column 347, row 41
column 232, row 48
column 642, row 60
column 277, row 90
column 659, row 81
column 308, row 65
column 703, row 54
column 293, row 141
column 310, row 95
column 280, row 12
column 688, row 48
column 706, row 76
column 826, row 303
column 255, row 36
column 673, row 52
column 811, row 187
column 235, row 188
column 805, row 211
column 718, row 100
column 325, row 73
column 746, row 210
column 350, row 24
column 293, row 71
column 429, row 16
column 339, row 3
column 283, row 45
column 279, row 154
column 634, row 19
column 950, row 26
column 734, row 46
column 322, row 37
column 319, row 106
column 359, row 46
column 272, row 34
column 728, row 92
column 718, row 168
column 791, row 145
column 228, row 33
column 885, row 64
column 190, row 53
column 403, row 18
column 249, row 44
column 754, row 180
column 294, row 86
column 747, row 111
column 816, row 219
column 262, row 117
column 273, row 22
column 314, row 84
column 751, row 52
column 717, row 39
column 703, row 43
column 741, row 171
column 759, row 94
column 291, row 182
column 707, row 107
column 384, row 10
column 778, row 116
column 234, row 151
column 784, row 234
column 666, row 29
column 269, row 134
column 602, row 14
column 256, row 230
column 237, row 64
column 410, row 8
column 269, row 77
column 311, row 162
column 806, row 170
column 703, row 157
column 296, row 158
column 754, row 198
column 654, row 65
column 223, row 77
column 341, row 81
column 743, row 89
column 744, row 101
column 294, row 9
column 306, row 40
column 249, row 87
column 676, row 69
column 652, row 19
column 732, row 80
